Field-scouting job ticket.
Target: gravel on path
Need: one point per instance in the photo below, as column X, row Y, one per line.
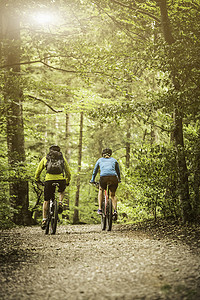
column 81, row 262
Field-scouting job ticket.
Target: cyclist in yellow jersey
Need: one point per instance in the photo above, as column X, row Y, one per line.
column 57, row 171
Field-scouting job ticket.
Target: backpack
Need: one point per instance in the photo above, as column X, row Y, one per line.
column 55, row 162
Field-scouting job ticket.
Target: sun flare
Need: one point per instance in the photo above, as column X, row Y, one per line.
column 44, row 18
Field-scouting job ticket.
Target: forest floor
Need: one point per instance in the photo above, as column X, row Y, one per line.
column 143, row 261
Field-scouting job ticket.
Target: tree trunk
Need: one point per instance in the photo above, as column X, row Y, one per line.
column 13, row 97
column 99, row 145
column 76, row 212
column 178, row 127
column 65, row 214
column 128, row 145
column 183, row 185
column 196, row 207
column 67, row 136
column 165, row 22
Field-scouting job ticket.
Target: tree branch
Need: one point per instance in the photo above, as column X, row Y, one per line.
column 34, row 62
column 153, row 124
column 60, row 69
column 41, row 100
column 127, row 31
column 138, row 10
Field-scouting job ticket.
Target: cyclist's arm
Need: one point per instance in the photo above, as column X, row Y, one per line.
column 40, row 168
column 118, row 170
column 96, row 168
column 67, row 171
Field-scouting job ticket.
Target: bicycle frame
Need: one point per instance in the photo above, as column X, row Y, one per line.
column 106, row 196
column 52, row 217
column 107, row 208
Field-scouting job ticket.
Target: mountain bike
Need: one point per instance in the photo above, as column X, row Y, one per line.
column 107, row 209
column 52, row 217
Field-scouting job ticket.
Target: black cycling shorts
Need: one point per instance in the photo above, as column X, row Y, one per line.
column 49, row 189
column 111, row 180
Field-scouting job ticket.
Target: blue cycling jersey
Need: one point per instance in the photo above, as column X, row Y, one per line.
column 108, row 167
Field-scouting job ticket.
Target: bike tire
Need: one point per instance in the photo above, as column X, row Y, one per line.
column 47, row 225
column 109, row 214
column 54, row 218
column 103, row 217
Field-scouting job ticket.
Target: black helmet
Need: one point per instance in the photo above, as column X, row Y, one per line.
column 107, row 151
column 55, row 148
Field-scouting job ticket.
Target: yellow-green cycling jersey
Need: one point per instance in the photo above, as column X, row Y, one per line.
column 42, row 166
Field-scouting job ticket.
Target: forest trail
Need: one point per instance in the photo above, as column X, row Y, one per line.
column 81, row 262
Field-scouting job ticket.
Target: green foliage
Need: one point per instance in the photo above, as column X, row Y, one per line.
column 5, row 210
column 5, row 214
column 150, row 184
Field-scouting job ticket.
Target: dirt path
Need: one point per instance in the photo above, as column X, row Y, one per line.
column 82, row 263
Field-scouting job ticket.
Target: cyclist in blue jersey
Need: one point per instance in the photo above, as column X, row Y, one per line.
column 109, row 172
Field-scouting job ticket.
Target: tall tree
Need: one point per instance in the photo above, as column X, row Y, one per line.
column 78, row 181
column 13, row 97
column 178, row 123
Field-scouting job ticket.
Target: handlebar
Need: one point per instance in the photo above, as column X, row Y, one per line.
column 95, row 183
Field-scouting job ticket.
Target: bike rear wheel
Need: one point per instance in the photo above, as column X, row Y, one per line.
column 54, row 218
column 109, row 214
column 103, row 217
column 47, row 224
